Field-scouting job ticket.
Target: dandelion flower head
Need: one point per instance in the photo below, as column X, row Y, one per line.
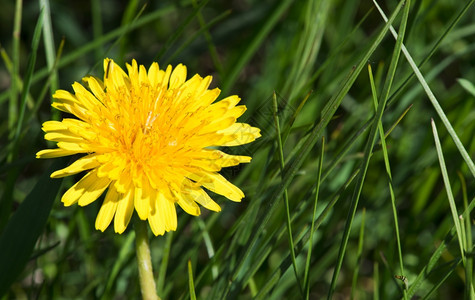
column 148, row 139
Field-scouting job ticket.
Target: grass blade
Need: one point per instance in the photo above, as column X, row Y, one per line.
column 433, row 100
column 190, row 281
column 312, row 228
column 358, row 255
column 13, row 107
column 390, row 178
column 25, row 226
column 286, row 196
column 448, row 189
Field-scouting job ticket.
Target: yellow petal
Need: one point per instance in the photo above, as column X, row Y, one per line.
column 142, row 200
column 205, row 200
column 218, row 184
column 242, row 132
column 125, row 210
column 167, row 211
column 82, row 164
column 187, row 203
column 177, row 77
column 157, row 224
column 96, row 86
column 52, row 153
column 227, row 160
column 108, row 209
column 64, row 136
column 86, row 190
column 72, row 147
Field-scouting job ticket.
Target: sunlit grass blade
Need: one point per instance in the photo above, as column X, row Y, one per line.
column 431, row 264
column 433, row 100
column 209, row 246
column 467, row 85
column 389, row 175
column 468, row 245
column 24, row 227
column 448, row 189
column 49, row 44
column 190, row 281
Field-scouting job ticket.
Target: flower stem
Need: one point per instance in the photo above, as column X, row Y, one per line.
column 144, row 261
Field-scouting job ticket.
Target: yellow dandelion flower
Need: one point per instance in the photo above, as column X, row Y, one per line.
column 149, row 139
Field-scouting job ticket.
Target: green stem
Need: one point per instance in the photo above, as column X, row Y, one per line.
column 144, row 262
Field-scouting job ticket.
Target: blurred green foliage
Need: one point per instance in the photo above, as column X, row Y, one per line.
column 252, row 48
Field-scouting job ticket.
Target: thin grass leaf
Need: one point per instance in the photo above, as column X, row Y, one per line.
column 316, row 13
column 96, row 25
column 197, row 34
column 433, row 99
column 467, row 85
column 468, row 246
column 427, row 269
column 443, row 279
column 209, row 41
column 209, row 246
column 162, row 272
column 50, row 53
column 26, row 85
column 375, row 280
column 179, row 31
column 286, row 196
column 358, row 255
column 448, row 189
column 13, row 105
column 190, row 281
column 25, row 226
column 390, row 178
column 312, row 228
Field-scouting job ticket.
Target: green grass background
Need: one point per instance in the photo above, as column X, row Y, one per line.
column 362, row 210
